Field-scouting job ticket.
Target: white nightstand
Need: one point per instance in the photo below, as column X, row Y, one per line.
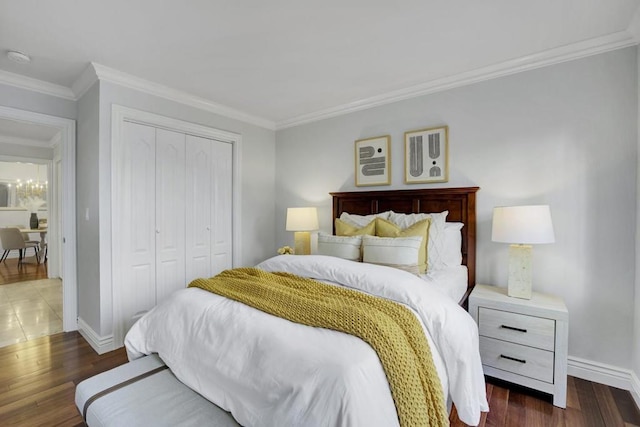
column 523, row 341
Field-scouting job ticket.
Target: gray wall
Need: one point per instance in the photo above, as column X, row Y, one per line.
column 564, row 135
column 257, row 190
column 39, row 103
column 36, row 102
column 88, row 279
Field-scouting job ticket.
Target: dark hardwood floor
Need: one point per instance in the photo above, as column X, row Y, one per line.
column 588, row 404
column 10, row 272
column 38, row 379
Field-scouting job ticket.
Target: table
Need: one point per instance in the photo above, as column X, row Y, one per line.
column 43, row 235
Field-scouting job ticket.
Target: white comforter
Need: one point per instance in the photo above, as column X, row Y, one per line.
column 268, row 371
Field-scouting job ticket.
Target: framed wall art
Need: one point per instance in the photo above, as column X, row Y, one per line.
column 426, row 155
column 373, row 161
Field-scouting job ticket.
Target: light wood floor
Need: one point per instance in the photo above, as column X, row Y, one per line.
column 38, row 379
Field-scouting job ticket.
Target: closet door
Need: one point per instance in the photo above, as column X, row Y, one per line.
column 137, row 237
column 198, row 203
column 170, row 213
column 221, row 214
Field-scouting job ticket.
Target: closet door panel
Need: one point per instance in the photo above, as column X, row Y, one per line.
column 198, row 203
column 170, row 212
column 221, row 214
column 137, row 233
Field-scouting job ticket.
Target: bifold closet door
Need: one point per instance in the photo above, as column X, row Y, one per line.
column 199, row 210
column 222, row 219
column 136, row 235
column 170, row 212
column 209, row 206
column 152, row 221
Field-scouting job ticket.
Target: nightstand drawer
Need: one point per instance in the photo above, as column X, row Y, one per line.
column 519, row 359
column 517, row 328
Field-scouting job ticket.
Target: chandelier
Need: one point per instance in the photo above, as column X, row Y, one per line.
column 28, row 192
column 31, row 188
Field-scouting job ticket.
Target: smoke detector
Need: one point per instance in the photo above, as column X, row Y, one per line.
column 19, row 57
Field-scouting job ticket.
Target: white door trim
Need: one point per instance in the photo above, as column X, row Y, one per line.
column 121, row 114
column 67, row 128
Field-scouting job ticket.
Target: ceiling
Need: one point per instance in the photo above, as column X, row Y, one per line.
column 281, row 60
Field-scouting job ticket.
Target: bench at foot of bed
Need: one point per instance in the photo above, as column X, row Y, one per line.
column 145, row 393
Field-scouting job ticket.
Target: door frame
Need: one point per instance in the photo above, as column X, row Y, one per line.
column 121, row 114
column 67, row 236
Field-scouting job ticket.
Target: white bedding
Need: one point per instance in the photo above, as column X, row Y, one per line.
column 271, row 372
column 451, row 281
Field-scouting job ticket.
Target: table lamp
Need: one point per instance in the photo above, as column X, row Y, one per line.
column 302, row 220
column 522, row 226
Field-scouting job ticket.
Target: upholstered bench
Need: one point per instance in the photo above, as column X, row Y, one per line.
column 145, row 392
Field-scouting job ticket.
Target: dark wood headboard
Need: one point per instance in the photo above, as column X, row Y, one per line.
column 460, row 202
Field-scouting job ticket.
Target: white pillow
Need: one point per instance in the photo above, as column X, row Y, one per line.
column 435, row 245
column 398, row 252
column 347, row 247
column 362, row 220
column 452, row 249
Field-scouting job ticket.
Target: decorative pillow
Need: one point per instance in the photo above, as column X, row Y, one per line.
column 452, row 248
column 398, row 252
column 386, row 228
column 362, row 220
column 436, row 233
column 347, row 247
column 344, row 229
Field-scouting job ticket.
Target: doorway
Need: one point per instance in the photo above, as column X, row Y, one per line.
column 61, row 221
column 30, row 298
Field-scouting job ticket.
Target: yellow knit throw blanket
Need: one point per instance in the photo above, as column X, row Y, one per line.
column 390, row 328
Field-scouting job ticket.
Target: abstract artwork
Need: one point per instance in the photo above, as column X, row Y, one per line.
column 373, row 161
column 426, row 155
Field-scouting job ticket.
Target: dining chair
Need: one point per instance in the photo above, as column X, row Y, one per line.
column 12, row 239
column 25, row 235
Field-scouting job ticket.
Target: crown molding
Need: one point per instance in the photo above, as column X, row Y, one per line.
column 35, row 85
column 570, row 52
column 84, row 81
column 151, row 88
column 95, row 72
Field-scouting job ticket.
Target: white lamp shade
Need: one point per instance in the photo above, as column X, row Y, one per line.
column 525, row 225
column 302, row 219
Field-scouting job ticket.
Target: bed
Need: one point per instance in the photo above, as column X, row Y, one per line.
column 266, row 370
column 459, row 202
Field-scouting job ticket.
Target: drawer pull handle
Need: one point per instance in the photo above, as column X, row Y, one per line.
column 513, row 329
column 513, row 358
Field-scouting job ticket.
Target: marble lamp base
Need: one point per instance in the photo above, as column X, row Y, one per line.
column 519, row 271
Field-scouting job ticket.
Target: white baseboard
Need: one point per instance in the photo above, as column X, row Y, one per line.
column 602, row 373
column 100, row 344
column 599, row 372
column 635, row 388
